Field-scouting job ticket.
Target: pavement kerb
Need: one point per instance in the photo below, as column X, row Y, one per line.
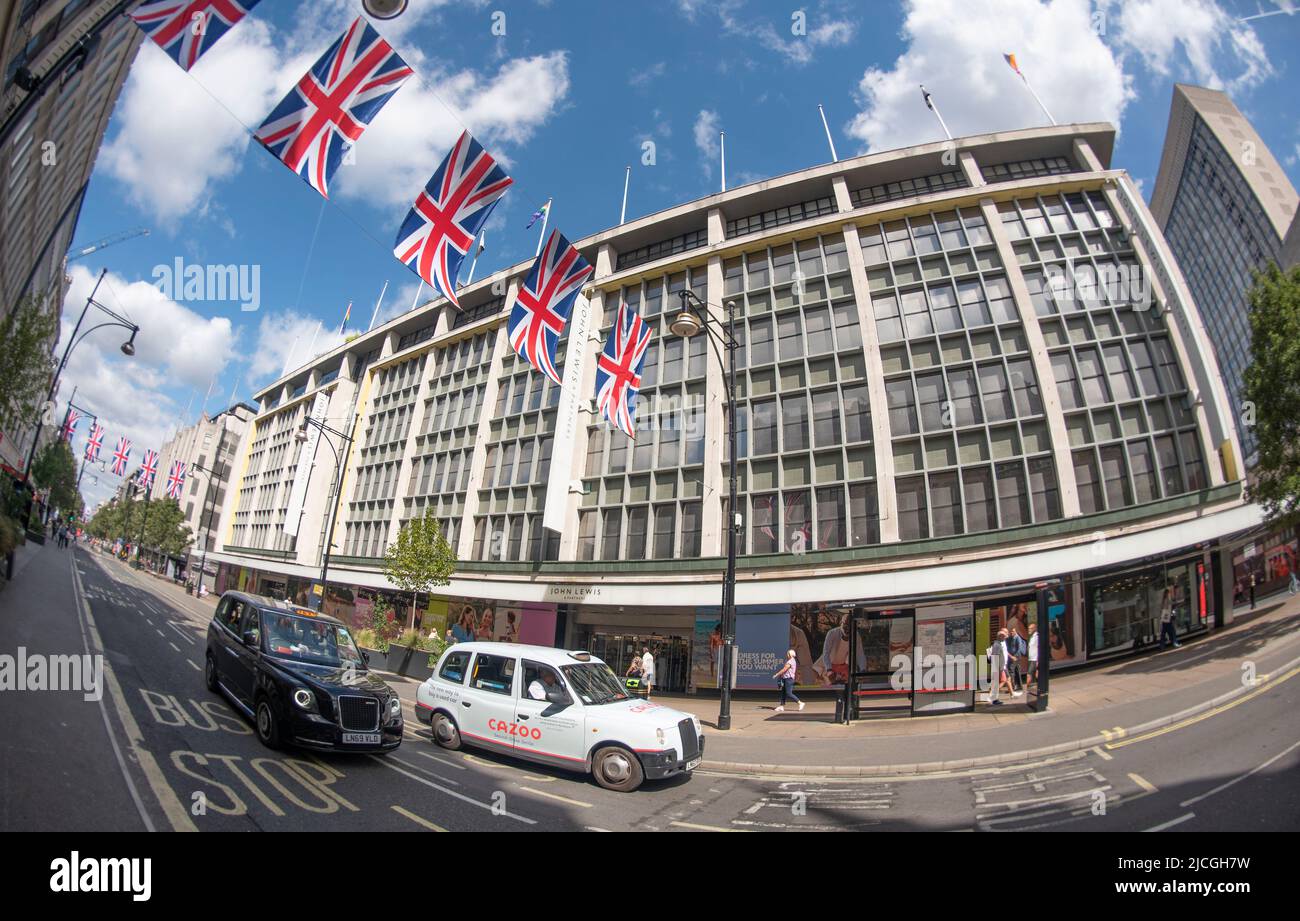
column 935, row 767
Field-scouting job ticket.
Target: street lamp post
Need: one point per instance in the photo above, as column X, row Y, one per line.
column 693, row 318
column 339, row 464
column 214, row 476
column 126, row 517
column 128, row 349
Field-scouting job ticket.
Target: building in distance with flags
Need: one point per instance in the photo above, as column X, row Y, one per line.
column 208, row 445
column 968, row 372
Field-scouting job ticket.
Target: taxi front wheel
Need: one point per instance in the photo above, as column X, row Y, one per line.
column 617, row 769
column 445, row 732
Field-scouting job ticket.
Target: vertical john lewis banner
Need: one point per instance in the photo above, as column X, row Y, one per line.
column 298, row 491
column 572, row 399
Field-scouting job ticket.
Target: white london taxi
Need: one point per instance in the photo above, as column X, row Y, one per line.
column 555, row 707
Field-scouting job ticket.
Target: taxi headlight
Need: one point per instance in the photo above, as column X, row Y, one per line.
column 304, row 699
column 394, row 707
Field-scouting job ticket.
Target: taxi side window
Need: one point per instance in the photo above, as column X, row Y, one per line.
column 493, row 673
column 454, row 666
column 249, row 621
column 542, row 683
column 229, row 614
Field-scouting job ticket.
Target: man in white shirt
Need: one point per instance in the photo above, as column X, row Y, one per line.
column 1033, row 655
column 648, row 671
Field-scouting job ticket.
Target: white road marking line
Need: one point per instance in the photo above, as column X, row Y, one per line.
column 556, row 796
column 453, row 793
column 422, row 770
column 1043, row 800
column 160, row 633
column 698, row 827
column 1221, row 787
column 594, row 828
column 1105, row 756
column 416, row 819
column 444, row 761
column 194, row 665
column 1172, row 822
column 185, row 636
column 173, row 646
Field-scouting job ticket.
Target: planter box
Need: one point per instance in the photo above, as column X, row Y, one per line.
column 401, row 660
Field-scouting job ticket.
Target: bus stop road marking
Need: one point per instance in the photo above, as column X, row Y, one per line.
column 425, row 823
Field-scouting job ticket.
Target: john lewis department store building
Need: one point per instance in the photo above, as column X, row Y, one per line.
column 964, row 369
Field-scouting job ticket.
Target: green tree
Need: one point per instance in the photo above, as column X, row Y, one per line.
column 26, row 335
column 56, row 469
column 420, row 559
column 107, row 523
column 1272, row 391
column 163, row 524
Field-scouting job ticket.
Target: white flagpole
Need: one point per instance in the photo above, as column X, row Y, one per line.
column 829, row 139
column 375, row 315
column 234, row 390
column 546, row 215
column 482, row 242
column 1025, row 80
column 722, row 149
column 211, row 384
column 418, row 290
column 929, row 104
column 622, row 215
column 289, row 355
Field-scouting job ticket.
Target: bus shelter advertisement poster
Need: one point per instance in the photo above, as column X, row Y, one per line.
column 817, row 633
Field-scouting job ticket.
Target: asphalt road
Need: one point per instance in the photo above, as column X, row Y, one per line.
column 159, row 751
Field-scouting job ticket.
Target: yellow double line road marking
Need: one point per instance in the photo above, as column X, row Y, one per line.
column 1263, row 684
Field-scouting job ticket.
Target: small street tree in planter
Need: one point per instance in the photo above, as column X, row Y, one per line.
column 419, row 560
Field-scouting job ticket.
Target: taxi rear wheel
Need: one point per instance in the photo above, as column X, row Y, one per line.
column 445, row 732
column 617, row 769
column 210, row 672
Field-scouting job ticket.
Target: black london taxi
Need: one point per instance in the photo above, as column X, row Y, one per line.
column 298, row 675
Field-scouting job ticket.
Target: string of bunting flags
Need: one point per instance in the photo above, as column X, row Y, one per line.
column 318, row 122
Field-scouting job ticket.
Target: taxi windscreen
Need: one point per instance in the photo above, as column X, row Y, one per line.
column 595, row 683
column 309, row 640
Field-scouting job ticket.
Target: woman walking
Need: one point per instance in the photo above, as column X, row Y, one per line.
column 786, row 677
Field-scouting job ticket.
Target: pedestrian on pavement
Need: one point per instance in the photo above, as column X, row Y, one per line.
column 996, row 654
column 1294, row 586
column 1033, row 655
column 1252, row 591
column 1167, row 628
column 785, row 677
column 647, row 671
column 1015, row 649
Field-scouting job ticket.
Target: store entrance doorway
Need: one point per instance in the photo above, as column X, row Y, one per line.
column 672, row 656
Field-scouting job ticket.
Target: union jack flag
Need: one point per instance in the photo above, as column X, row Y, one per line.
column 94, row 442
column 185, row 29
column 121, row 455
column 176, row 480
column 544, row 301
column 445, row 219
column 618, row 370
column 320, row 119
column 70, row 423
column 148, row 469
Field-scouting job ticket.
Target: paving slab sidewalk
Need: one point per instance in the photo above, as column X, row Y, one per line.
column 1122, row 694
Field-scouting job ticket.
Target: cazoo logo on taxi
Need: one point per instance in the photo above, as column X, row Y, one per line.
column 514, row 729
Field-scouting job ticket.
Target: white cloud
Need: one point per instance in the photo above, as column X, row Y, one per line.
column 174, row 143
column 642, row 77
column 802, row 49
column 706, row 129
column 178, row 354
column 293, row 339
column 1208, row 37
column 1073, row 51
column 955, row 48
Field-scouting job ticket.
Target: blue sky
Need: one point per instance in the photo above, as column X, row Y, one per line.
column 568, row 97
